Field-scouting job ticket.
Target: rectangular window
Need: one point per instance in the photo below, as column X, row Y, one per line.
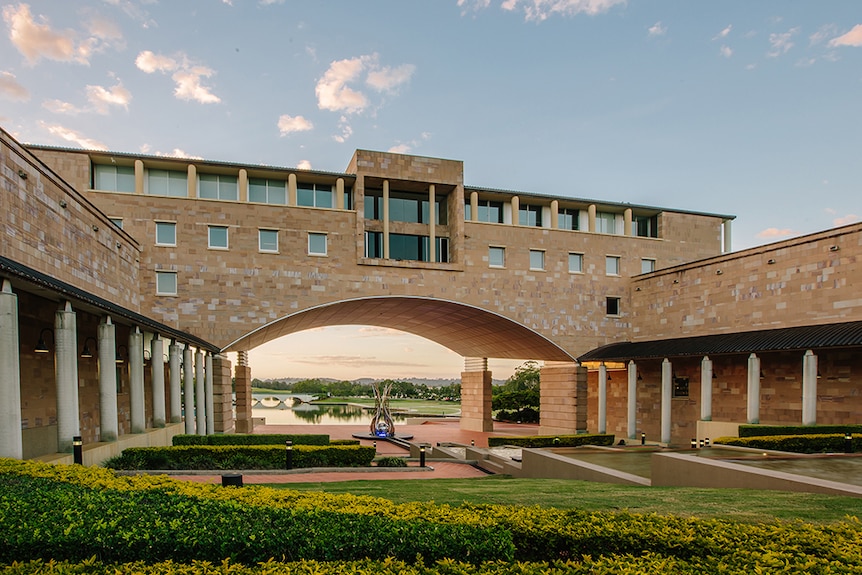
column 496, row 257
column 487, row 211
column 166, row 283
column 218, row 237
column 114, row 178
column 166, row 233
column 576, row 263
column 267, row 240
column 612, row 265
column 606, row 223
column 647, row 266
column 374, row 244
column 568, row 219
column 680, row 387
column 314, row 195
column 117, row 222
column 266, row 191
column 537, row 259
column 316, row 244
column 373, row 204
column 529, row 215
column 613, row 305
column 645, row 226
column 217, row 187
column 168, row 183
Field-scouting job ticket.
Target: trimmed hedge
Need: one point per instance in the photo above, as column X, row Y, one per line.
column 250, row 439
column 553, row 440
column 748, row 430
column 224, row 457
column 795, row 443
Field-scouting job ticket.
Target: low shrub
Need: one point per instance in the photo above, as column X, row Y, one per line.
column 391, row 462
column 552, row 440
column 750, row 430
column 523, row 415
column 250, row 439
column 833, row 443
column 231, row 457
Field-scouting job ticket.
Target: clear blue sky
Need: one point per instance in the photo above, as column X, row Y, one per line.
column 736, row 107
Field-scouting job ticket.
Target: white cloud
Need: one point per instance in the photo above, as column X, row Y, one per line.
column 289, row 124
column 186, row 76
column 178, row 153
column 844, row 220
column 387, row 79
column 851, row 38
column 103, row 98
column 657, row 29
column 334, row 92
column 723, row 33
column 346, row 130
column 775, row 233
column 11, row 89
column 37, row 40
column 61, row 107
column 73, row 136
column 270, row 2
column 725, row 51
column 304, row 165
column 824, row 32
column 781, row 43
column 399, row 149
column 540, row 10
column 150, row 62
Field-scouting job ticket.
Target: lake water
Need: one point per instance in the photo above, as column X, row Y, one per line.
column 312, row 414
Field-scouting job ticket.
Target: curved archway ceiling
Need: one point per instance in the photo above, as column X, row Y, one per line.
column 466, row 330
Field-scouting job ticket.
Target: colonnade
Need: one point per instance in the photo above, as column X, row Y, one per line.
column 197, row 400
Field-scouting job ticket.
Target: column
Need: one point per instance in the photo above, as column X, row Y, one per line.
column 188, row 390
column 809, row 388
column 109, row 426
column 706, row 389
column 139, row 177
column 432, row 223
column 291, row 189
column 563, row 398
column 476, row 395
column 244, row 422
column 666, row 396
column 175, row 386
column 157, row 364
column 591, row 214
column 603, row 398
column 137, row 406
column 753, row 404
column 200, row 394
column 222, row 414
column 474, row 206
column 11, row 442
column 631, row 419
column 66, row 369
column 555, row 215
column 192, row 181
column 728, row 246
column 516, row 209
column 242, row 185
column 339, row 194
column 208, row 393
column 627, row 218
column 386, row 219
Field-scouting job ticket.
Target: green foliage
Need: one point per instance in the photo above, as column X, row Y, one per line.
column 748, row 430
column 251, row 439
column 833, row 443
column 233, row 457
column 391, row 462
column 552, row 440
column 518, row 398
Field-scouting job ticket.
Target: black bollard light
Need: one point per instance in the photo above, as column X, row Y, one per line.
column 421, row 456
column 643, row 438
column 694, row 443
column 78, row 450
column 706, row 442
column 288, row 454
column 374, row 444
column 848, row 443
column 472, row 443
column 701, row 443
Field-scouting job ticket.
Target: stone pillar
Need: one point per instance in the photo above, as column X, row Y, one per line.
column 706, row 389
column 109, row 427
column 139, row 177
column 632, row 412
column 432, row 223
column 11, row 441
column 603, row 398
column 474, row 206
column 200, row 394
column 137, row 406
column 157, row 364
column 627, row 225
column 591, row 214
column 555, row 215
column 476, row 395
column 242, row 185
column 66, row 369
column 563, row 398
column 192, row 181
column 208, row 392
column 753, row 397
column 666, row 399
column 188, row 390
column 386, row 219
column 291, row 189
column 176, row 394
column 809, row 388
column 339, row 193
column 242, row 377
column 222, row 414
column 728, row 245
column 516, row 210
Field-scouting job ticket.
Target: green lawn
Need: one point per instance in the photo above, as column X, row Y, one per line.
column 412, row 406
column 735, row 504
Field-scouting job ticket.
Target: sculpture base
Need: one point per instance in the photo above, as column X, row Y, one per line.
column 370, row 436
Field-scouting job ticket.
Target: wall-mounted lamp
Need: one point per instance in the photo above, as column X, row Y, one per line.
column 22, row 174
column 120, row 356
column 62, row 203
column 147, row 355
column 834, row 248
column 41, row 346
column 637, row 289
column 640, row 377
column 95, row 228
column 718, row 272
column 676, row 281
column 86, row 352
column 770, row 261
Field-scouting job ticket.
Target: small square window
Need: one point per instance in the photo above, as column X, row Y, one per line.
column 680, row 387
column 166, row 233
column 576, row 263
column 218, row 237
column 268, row 240
column 496, row 257
column 647, row 266
column 537, row 259
column 166, row 283
column 613, row 305
column 612, row 265
column 316, row 244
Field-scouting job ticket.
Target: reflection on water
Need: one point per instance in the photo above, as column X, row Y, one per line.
column 313, row 414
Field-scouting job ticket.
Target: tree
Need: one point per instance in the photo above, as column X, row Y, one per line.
column 518, row 398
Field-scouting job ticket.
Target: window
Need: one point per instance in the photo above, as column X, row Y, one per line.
column 576, row 263
column 647, row 266
column 645, row 226
column 166, row 283
column 373, row 204
column 529, row 215
column 487, row 211
column 417, row 248
column 374, row 244
column 267, row 240
column 218, row 237
column 166, row 233
column 537, row 259
column 117, row 222
column 314, row 195
column 568, row 219
column 316, row 244
column 167, row 183
column 612, row 265
column 266, row 191
column 217, row 187
column 612, row 305
column 680, row 387
column 114, row 178
column 496, row 257
column 606, row 223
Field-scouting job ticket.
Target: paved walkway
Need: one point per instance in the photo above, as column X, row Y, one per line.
column 430, row 432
